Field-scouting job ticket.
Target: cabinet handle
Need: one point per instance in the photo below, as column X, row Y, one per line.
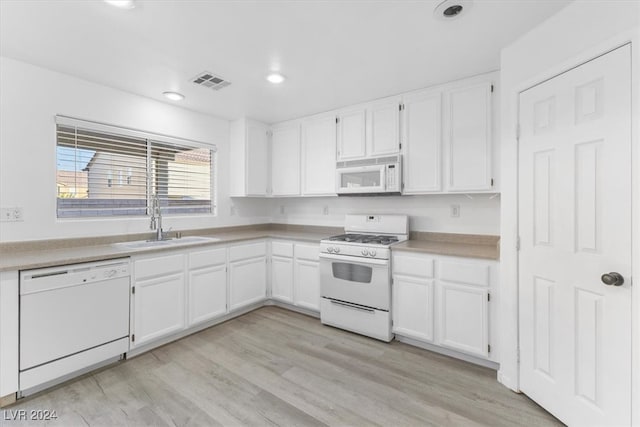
column 355, row 307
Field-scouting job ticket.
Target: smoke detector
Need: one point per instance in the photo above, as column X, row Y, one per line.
column 452, row 9
column 210, row 80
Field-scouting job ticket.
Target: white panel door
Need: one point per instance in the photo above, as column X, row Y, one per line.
column 307, row 284
column 469, row 138
column 282, row 278
column 158, row 308
column 247, row 282
column 422, row 142
column 352, row 134
column 413, row 307
column 285, row 160
column 383, row 119
column 207, row 293
column 257, row 166
column 319, row 156
column 575, row 225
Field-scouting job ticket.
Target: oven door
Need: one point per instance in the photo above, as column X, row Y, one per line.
column 356, row 280
column 361, row 179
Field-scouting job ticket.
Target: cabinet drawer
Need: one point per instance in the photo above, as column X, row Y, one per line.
column 465, row 272
column 310, row 252
column 251, row 250
column 417, row 266
column 207, row 257
column 159, row 266
column 282, row 249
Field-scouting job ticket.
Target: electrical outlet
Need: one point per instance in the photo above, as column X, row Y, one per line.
column 455, row 211
column 11, row 215
column 325, row 210
column 281, row 209
column 232, row 210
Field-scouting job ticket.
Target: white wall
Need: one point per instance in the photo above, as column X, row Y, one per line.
column 565, row 39
column 30, row 97
column 479, row 215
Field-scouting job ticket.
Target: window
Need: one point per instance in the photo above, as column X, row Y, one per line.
column 108, row 171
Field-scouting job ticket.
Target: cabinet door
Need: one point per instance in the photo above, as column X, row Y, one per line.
column 422, row 142
column 248, row 282
column 469, row 139
column 207, row 293
column 282, row 278
column 352, row 134
column 158, row 307
column 464, row 318
column 383, row 136
column 413, row 307
column 285, row 161
column 307, row 284
column 319, row 156
column 257, row 178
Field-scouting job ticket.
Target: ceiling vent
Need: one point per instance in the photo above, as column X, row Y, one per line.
column 210, row 80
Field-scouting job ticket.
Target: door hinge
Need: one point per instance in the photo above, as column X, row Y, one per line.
column 400, row 107
column 337, row 119
column 492, row 182
column 133, row 289
column 518, row 243
column 400, row 145
column 488, row 348
column 133, row 338
column 489, row 297
column 491, row 88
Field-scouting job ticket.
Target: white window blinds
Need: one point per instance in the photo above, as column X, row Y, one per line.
column 107, row 171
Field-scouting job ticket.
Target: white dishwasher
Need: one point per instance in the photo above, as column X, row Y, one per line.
column 72, row 317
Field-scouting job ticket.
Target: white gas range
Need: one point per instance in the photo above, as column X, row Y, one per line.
column 355, row 274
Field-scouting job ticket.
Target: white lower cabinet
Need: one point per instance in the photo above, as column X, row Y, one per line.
column 445, row 301
column 158, row 298
column 247, row 274
column 295, row 274
column 413, row 307
column 307, row 276
column 207, row 285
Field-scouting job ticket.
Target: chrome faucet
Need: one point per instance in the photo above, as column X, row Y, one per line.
column 156, row 218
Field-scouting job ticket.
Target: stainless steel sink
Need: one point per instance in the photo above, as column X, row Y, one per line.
column 137, row 244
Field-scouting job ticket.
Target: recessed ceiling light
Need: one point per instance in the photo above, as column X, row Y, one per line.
column 452, row 9
column 122, row 4
column 275, row 78
column 174, row 96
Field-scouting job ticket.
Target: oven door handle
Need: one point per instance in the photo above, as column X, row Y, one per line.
column 355, row 260
column 352, row 306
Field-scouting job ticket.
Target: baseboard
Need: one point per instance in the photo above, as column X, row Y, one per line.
column 292, row 307
column 7, row 400
column 451, row 353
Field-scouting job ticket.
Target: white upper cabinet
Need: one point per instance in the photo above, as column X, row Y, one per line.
column 469, row 138
column 352, row 134
column 285, row 159
column 319, row 155
column 370, row 130
column 383, row 133
column 422, row 142
column 248, row 156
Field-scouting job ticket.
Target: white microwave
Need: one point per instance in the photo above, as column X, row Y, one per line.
column 369, row 177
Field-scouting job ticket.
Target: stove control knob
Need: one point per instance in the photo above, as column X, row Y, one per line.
column 329, row 249
column 336, row 250
column 365, row 252
column 372, row 252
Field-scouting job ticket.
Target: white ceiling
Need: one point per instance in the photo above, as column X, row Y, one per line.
column 334, row 53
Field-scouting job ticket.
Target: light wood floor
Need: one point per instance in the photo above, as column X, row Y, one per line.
column 276, row 367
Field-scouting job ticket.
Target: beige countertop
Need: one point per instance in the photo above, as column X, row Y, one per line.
column 49, row 253
column 23, row 256
column 463, row 245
